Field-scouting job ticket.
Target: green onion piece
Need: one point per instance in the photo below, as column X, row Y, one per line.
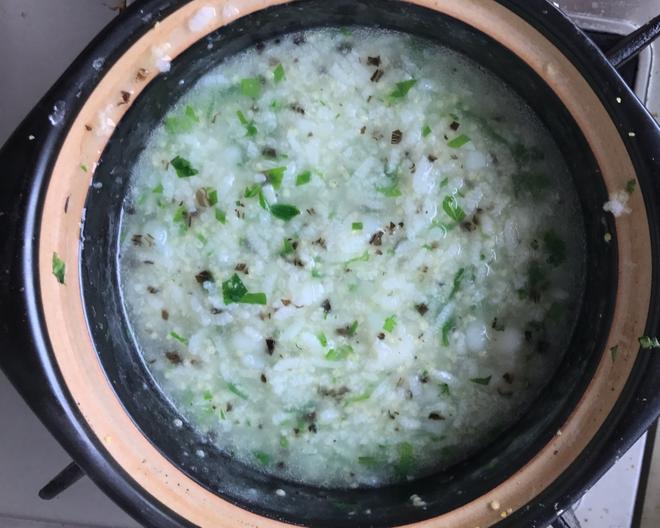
column 401, row 89
column 251, row 87
column 83, row 167
column 284, row 211
column 456, row 285
column 181, row 218
column 322, row 339
column 233, row 290
column 357, row 226
column 179, row 338
column 250, row 129
column 481, row 381
column 614, row 351
column 233, row 388
column 183, row 167
column 284, row 443
column 287, row 247
column 275, row 176
column 212, row 195
column 631, row 185
column 406, row 458
column 458, row 141
column 362, row 258
column 303, row 178
column 59, row 268
column 368, row 461
column 353, row 328
column 426, row 130
column 390, row 323
column 345, row 31
column 208, row 396
column 647, row 342
column 339, row 353
column 453, row 210
column 447, row 328
column 220, row 216
column 391, row 191
column 444, row 389
column 158, row 189
column 278, row 73
column 253, row 298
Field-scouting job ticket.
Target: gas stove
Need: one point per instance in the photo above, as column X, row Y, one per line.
column 29, row 455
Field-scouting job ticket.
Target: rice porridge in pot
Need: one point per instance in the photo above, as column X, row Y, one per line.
column 351, row 257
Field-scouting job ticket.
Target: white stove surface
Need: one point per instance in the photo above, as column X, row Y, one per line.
column 38, row 40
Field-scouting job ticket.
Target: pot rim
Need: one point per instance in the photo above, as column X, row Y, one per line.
column 127, row 29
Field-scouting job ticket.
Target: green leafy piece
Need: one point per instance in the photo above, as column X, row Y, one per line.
column 202, row 238
column 287, row 247
column 208, row 395
column 250, row 129
column 447, row 328
column 614, row 352
column 183, row 123
column 357, row 226
column 212, row 195
column 647, row 342
column 359, row 397
column 631, row 185
column 456, row 284
column 278, row 73
column 402, row 88
column 555, row 248
column 59, row 268
column 83, row 167
column 444, row 182
column 352, row 329
column 303, row 178
column 275, row 176
column 406, row 458
column 481, row 381
column 444, row 389
column 362, row 258
column 322, row 339
column 284, row 443
column 220, row 216
column 316, row 274
column 453, row 210
column 233, row 290
column 183, row 167
column 345, row 31
column 180, row 218
column 339, row 353
column 391, row 191
column 257, row 190
column 158, row 189
column 426, row 130
column 251, row 87
column 368, row 461
column 458, row 141
column 389, row 323
column 179, row 338
column 284, row 211
column 253, row 298
column 233, row 388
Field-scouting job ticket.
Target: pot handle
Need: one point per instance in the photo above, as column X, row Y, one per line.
column 630, row 46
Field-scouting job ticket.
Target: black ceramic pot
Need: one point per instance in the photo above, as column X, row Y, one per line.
column 68, row 350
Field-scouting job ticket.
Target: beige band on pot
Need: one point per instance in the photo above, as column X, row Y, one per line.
column 71, row 341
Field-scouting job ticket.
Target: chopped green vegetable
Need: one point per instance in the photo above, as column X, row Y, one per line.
column 184, row 123
column 453, row 210
column 447, row 328
column 202, row 238
column 426, row 130
column 456, row 284
column 362, row 258
column 458, row 141
column 251, row 87
column 233, row 388
column 555, row 248
column 208, row 395
column 391, row 191
column 253, row 298
column 250, row 129
column 402, row 88
column 59, row 268
column 233, row 289
column 212, row 195
column 390, row 323
column 287, row 247
column 444, row 389
column 322, row 339
column 359, row 397
column 284, row 211
column 647, row 342
column 368, row 461
column 345, row 31
column 275, row 176
column 181, row 218
column 158, row 189
column 352, row 328
column 614, row 351
column 303, row 178
column 357, row 226
column 179, row 338
column 183, row 167
column 631, row 185
column 481, row 381
column 220, row 216
column 339, row 353
column 83, row 167
column 278, row 73
column 406, row 458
